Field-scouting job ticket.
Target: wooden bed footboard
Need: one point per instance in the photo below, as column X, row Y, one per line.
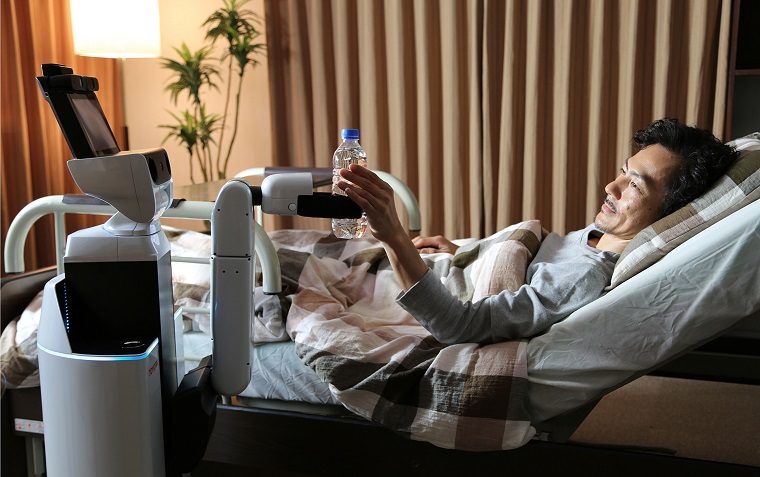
column 275, row 441
column 271, row 441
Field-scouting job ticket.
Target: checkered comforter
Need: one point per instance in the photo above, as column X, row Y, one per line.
column 382, row 365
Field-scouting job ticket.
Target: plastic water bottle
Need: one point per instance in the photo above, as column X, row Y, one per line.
column 349, row 152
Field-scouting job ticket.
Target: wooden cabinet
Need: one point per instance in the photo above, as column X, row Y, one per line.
column 743, row 102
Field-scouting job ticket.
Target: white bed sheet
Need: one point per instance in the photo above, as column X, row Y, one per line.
column 276, row 371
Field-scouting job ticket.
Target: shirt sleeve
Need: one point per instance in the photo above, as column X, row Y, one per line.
column 554, row 292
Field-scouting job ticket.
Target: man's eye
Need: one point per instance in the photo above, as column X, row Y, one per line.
column 635, row 186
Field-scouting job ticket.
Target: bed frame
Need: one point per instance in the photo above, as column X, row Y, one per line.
column 286, row 438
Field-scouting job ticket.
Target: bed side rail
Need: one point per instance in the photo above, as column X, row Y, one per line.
column 55, row 204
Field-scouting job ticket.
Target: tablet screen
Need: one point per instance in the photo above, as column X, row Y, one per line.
column 94, row 123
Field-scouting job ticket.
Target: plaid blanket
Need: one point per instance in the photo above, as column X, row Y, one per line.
column 18, row 349
column 382, row 365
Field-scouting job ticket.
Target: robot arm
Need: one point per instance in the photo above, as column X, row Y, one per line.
column 232, row 265
column 232, row 238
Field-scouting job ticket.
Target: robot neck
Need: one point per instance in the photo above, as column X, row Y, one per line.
column 121, row 226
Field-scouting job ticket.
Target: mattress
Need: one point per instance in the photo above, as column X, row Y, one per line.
column 675, row 305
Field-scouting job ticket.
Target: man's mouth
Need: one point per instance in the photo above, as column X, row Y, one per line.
column 609, row 205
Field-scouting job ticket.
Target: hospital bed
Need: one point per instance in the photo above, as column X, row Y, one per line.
column 289, row 424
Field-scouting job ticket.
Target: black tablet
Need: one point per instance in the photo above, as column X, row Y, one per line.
column 76, row 107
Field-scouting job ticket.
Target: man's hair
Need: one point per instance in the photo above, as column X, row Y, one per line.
column 703, row 159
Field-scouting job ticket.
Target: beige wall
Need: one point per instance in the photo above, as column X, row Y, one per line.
column 147, row 103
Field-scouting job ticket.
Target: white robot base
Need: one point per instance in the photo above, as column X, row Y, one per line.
column 107, row 407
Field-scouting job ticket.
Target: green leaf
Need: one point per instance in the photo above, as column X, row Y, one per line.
column 193, row 72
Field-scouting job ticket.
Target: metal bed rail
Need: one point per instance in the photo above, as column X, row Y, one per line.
column 193, row 210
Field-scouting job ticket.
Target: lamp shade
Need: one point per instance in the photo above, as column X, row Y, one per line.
column 116, row 28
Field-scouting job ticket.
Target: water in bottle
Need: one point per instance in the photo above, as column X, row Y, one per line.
column 349, row 152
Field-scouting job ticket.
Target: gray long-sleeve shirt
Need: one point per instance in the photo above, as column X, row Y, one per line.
column 565, row 274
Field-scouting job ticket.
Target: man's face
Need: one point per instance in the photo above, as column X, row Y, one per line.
column 634, row 198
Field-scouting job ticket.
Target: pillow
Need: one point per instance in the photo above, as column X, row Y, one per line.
column 730, row 193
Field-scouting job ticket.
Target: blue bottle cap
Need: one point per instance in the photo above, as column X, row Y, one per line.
column 349, row 134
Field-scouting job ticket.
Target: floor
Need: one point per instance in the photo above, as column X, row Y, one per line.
column 689, row 418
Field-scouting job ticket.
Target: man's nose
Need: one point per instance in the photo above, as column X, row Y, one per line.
column 613, row 189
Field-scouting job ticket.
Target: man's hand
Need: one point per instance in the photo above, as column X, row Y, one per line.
column 375, row 196
column 437, row 244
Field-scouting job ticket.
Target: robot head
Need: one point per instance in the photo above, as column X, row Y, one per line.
column 136, row 183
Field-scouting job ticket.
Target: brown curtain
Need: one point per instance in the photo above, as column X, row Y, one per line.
column 34, row 152
column 493, row 111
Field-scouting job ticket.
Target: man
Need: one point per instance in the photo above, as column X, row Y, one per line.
column 674, row 165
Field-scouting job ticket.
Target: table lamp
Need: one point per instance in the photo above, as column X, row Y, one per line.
column 116, row 29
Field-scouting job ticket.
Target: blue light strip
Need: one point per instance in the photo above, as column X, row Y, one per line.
column 66, row 320
column 92, row 357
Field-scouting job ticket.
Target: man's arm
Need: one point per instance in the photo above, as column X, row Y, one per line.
column 555, row 291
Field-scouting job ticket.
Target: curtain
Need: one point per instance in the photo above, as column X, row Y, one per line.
column 33, row 149
column 493, row 111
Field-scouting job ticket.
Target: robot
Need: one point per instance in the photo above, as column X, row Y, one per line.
column 114, row 398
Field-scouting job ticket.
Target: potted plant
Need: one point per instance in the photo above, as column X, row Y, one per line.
column 196, row 72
